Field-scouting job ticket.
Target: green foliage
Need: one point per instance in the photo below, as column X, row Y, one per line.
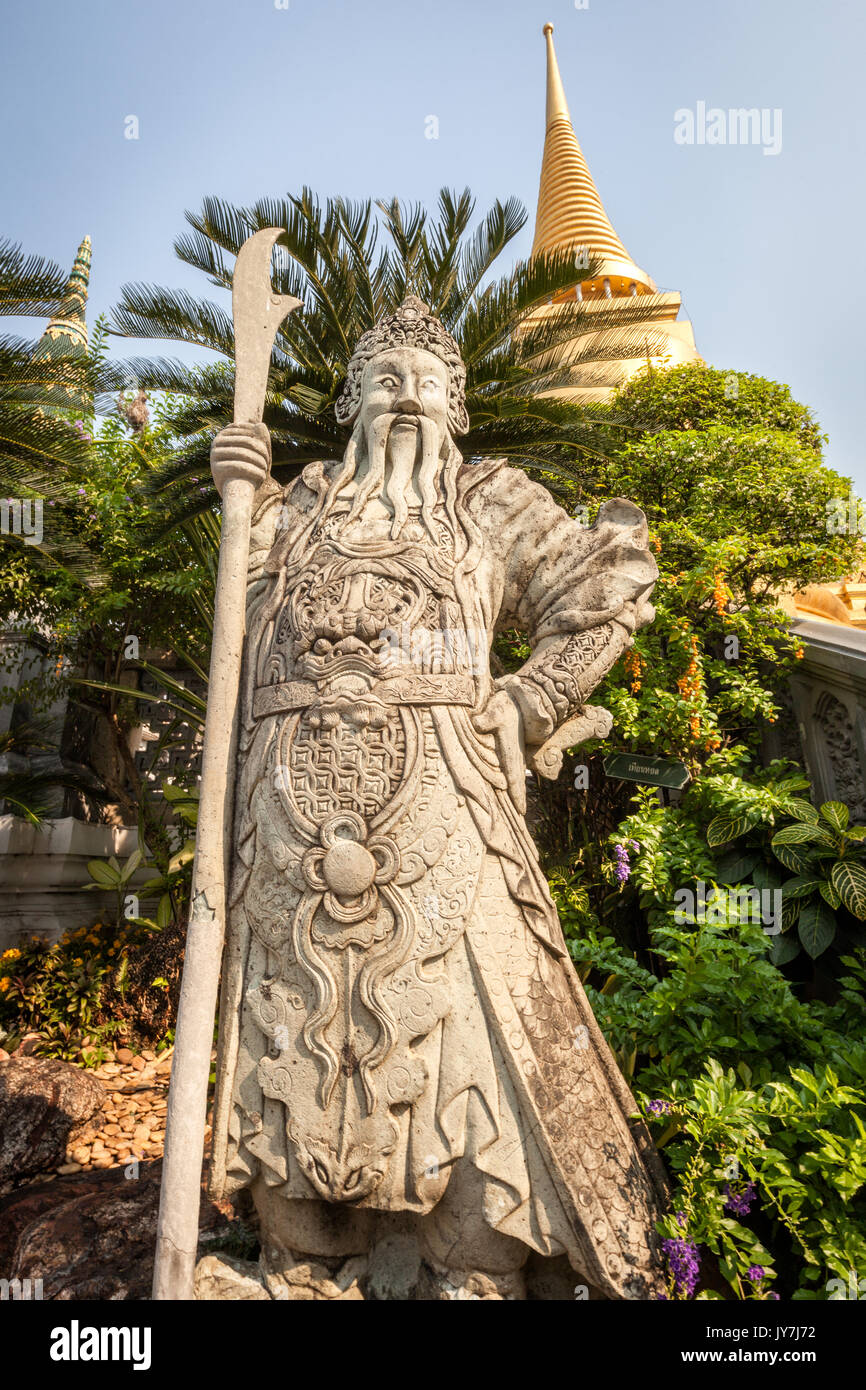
column 695, row 396
column 172, row 870
column 759, row 499
column 109, row 876
column 795, row 1146
column 763, row 823
column 737, row 499
column 758, row 1097
column 57, row 991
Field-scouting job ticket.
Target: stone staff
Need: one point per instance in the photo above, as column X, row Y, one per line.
column 257, row 312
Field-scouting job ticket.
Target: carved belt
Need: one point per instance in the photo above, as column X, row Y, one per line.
column 417, row 689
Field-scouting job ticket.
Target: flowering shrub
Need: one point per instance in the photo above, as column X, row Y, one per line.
column 757, row 1099
column 73, row 994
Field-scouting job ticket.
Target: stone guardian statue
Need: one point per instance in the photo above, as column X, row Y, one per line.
column 406, row 1054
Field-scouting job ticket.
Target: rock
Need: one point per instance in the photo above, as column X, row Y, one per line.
column 66, row 1168
column 91, row 1235
column 123, row 1054
column 45, row 1105
column 4, row 1055
column 308, row 1281
column 28, row 1044
column 139, row 1063
column 222, row 1277
column 149, row 1056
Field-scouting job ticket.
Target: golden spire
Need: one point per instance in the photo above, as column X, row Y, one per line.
column 570, row 214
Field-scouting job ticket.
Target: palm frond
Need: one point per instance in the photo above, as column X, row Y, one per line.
column 29, row 284
column 523, row 335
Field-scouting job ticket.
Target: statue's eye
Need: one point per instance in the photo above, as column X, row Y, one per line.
column 430, row 384
column 389, row 381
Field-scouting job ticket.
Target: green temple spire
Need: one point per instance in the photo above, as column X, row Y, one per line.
column 66, row 334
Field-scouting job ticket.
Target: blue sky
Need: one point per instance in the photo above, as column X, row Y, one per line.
column 243, row 99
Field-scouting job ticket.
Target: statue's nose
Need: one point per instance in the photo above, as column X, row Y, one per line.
column 407, row 405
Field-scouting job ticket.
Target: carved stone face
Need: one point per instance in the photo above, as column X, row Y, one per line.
column 406, row 382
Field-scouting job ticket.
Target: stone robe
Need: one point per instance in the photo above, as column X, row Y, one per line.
column 397, row 995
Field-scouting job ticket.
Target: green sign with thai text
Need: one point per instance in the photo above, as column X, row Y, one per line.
column 654, row 772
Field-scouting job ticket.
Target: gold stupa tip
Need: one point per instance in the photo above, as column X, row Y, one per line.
column 570, row 213
column 548, row 29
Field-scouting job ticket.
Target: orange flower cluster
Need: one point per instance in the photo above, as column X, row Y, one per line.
column 633, row 668
column 689, row 685
column 720, row 593
column 800, row 653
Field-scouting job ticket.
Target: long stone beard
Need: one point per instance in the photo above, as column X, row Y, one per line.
column 391, row 470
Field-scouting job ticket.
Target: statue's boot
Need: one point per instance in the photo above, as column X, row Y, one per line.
column 464, row 1257
column 311, row 1249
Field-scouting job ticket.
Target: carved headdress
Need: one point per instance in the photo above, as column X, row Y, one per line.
column 412, row 325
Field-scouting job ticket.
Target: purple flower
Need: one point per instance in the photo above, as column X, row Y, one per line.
column 658, row 1107
column 684, row 1264
column 755, row 1273
column 739, row 1202
column 623, row 867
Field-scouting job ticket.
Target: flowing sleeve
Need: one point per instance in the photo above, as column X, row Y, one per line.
column 577, row 592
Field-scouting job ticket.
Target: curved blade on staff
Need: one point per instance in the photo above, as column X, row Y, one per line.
column 258, row 313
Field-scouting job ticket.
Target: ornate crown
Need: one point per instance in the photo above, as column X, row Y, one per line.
column 412, row 325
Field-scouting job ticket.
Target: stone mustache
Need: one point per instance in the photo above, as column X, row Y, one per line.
column 404, row 1045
